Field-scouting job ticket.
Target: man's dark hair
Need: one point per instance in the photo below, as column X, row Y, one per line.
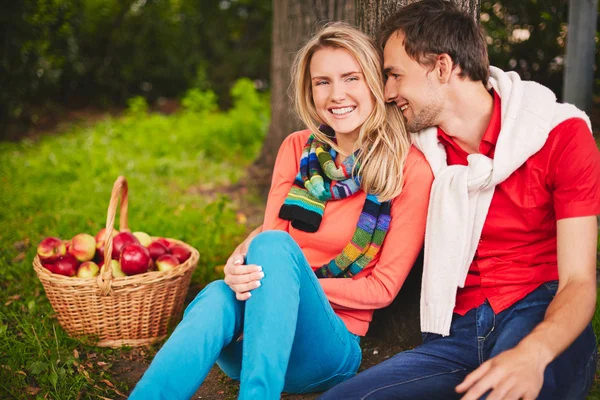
column 433, row 27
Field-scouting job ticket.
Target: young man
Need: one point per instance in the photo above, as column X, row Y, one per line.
column 509, row 282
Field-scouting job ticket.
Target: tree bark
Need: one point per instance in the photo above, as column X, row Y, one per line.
column 370, row 13
column 398, row 323
column 581, row 48
column 294, row 22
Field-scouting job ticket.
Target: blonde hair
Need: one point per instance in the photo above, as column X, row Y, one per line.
column 383, row 137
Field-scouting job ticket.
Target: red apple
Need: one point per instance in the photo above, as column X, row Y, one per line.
column 181, row 252
column 51, row 248
column 100, row 243
column 143, row 238
column 83, row 247
column 157, row 249
column 101, row 235
column 134, row 259
column 66, row 265
column 167, row 262
column 88, row 269
column 100, row 251
column 121, row 240
column 165, row 242
column 48, row 265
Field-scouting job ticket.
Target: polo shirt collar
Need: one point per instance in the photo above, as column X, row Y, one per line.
column 490, row 137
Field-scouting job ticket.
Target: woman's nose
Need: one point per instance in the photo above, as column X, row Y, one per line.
column 337, row 93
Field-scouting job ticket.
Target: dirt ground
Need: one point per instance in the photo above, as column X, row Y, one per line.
column 218, row 386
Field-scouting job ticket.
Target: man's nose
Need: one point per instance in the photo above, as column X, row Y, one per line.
column 390, row 92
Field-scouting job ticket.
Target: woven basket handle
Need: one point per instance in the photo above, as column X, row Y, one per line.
column 119, row 191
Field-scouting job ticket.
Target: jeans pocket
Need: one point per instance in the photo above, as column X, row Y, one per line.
column 552, row 287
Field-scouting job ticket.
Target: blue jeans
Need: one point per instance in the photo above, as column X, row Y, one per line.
column 432, row 370
column 292, row 341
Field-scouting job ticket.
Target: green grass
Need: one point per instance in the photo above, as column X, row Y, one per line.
column 60, row 185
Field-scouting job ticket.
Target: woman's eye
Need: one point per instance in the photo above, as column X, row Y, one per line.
column 352, row 78
column 318, row 83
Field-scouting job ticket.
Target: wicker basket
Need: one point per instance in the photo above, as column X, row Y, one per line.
column 126, row 311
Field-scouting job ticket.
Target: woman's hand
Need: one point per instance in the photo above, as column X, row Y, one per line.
column 239, row 277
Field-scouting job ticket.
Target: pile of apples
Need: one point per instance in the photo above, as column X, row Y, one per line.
column 132, row 254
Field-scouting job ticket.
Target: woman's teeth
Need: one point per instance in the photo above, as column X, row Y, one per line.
column 341, row 111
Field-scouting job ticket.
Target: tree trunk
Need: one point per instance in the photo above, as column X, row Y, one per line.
column 370, row 13
column 294, row 22
column 398, row 323
column 579, row 63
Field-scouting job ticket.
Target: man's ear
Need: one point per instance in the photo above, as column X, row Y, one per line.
column 444, row 67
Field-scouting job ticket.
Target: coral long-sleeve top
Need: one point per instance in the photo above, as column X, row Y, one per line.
column 354, row 299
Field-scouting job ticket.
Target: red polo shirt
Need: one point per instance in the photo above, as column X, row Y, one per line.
column 517, row 250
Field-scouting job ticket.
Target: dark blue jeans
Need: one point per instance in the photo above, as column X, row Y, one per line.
column 432, row 370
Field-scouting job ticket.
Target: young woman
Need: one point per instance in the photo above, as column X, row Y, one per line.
column 344, row 222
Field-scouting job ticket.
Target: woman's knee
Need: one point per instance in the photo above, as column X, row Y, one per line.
column 269, row 241
column 215, row 293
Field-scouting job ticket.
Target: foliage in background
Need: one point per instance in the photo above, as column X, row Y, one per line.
column 529, row 37
column 57, row 53
column 76, row 52
column 60, row 185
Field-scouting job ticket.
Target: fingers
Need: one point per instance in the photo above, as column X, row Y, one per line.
column 473, row 377
column 236, row 269
column 242, row 278
column 245, row 287
column 245, row 278
column 243, row 296
column 236, row 259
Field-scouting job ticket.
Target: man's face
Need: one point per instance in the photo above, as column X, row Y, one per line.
column 411, row 86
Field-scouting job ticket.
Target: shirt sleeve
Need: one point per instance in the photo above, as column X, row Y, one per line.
column 575, row 171
column 284, row 172
column 400, row 249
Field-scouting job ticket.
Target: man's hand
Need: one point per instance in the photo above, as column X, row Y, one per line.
column 239, row 277
column 519, row 372
column 512, row 375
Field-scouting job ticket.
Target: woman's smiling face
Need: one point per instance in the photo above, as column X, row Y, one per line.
column 340, row 93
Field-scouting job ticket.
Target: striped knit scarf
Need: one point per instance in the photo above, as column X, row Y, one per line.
column 319, row 181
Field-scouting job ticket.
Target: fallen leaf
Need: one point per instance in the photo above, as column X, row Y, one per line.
column 21, row 244
column 86, row 375
column 109, row 383
column 101, row 364
column 20, row 257
column 220, row 392
column 75, row 353
column 21, row 373
column 32, row 390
